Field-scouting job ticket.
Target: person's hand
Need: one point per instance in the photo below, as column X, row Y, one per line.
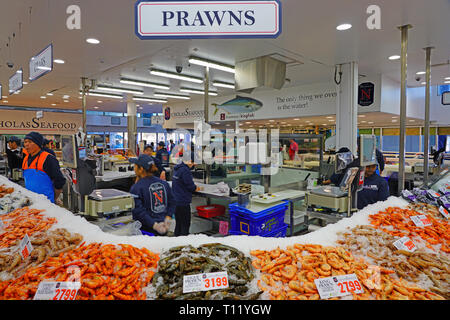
column 167, row 222
column 160, row 227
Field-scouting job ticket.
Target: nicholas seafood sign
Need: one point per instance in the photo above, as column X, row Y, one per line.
column 162, row 19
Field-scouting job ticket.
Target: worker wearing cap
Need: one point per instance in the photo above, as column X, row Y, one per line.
column 375, row 188
column 183, row 186
column 162, row 155
column 46, row 147
column 153, row 199
column 14, row 153
column 41, row 170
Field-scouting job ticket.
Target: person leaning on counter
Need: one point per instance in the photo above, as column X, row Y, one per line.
column 154, row 204
column 375, row 188
column 41, row 170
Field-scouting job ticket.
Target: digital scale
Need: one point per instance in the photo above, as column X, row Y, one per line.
column 107, row 201
column 332, row 203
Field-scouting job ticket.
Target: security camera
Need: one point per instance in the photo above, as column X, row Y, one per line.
column 418, row 78
column 10, row 65
column 179, row 69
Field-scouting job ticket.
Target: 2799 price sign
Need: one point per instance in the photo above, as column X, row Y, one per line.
column 338, row 286
column 57, row 291
column 65, row 294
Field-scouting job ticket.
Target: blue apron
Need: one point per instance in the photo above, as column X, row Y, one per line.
column 39, row 182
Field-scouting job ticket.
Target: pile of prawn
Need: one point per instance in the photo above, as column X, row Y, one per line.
column 106, row 272
column 397, row 222
column 289, row 274
column 4, row 190
column 432, row 270
column 20, row 222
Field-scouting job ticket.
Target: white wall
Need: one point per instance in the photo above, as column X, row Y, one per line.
column 416, row 105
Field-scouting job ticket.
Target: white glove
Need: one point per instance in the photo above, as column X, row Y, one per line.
column 160, row 227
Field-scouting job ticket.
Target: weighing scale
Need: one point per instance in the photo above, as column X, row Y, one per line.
column 332, row 203
column 80, row 173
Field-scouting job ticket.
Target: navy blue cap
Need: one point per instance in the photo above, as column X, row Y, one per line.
column 162, row 144
column 36, row 137
column 144, row 161
column 14, row 139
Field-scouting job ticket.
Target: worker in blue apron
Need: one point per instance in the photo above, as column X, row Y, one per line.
column 41, row 170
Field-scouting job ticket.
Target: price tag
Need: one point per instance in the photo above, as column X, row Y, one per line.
column 405, row 243
column 338, row 286
column 223, row 227
column 433, row 194
column 205, row 282
column 25, row 247
column 57, row 291
column 421, row 220
column 444, row 212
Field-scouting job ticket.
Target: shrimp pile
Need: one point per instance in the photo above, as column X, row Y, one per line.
column 397, row 222
column 20, row 222
column 289, row 274
column 106, row 272
column 45, row 245
column 4, row 190
column 431, row 270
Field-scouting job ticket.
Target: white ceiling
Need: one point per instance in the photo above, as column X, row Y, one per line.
column 309, row 35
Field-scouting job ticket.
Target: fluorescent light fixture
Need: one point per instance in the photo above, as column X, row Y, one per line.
column 296, row 119
column 66, row 101
column 44, row 68
column 370, row 122
column 95, row 107
column 421, row 72
column 43, row 97
column 197, row 91
column 448, row 78
column 172, row 75
column 223, row 84
column 24, row 82
column 59, row 61
column 121, row 90
column 394, row 57
column 19, row 71
column 66, row 96
column 144, row 84
column 248, row 122
column 49, row 94
column 169, row 95
column 344, row 26
column 53, row 104
column 211, row 64
column 423, row 83
column 105, row 95
column 149, row 99
column 92, row 41
column 271, row 120
column 447, row 82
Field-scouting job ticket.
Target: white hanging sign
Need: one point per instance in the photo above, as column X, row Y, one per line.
column 162, row 19
column 42, row 63
column 16, row 81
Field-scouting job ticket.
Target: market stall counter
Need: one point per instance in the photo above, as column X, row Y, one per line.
column 297, row 268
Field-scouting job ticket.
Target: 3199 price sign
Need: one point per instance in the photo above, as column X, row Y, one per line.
column 205, row 282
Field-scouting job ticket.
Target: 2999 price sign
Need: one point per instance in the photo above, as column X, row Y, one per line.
column 205, row 282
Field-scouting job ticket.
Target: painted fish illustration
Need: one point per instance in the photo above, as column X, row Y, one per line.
column 239, row 105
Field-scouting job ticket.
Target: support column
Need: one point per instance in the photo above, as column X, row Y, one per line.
column 401, row 151
column 206, row 105
column 132, row 125
column 426, row 135
column 347, row 107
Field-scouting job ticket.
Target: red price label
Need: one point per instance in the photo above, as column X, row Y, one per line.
column 25, row 252
column 409, row 244
column 349, row 286
column 216, row 282
column 425, row 221
column 65, row 294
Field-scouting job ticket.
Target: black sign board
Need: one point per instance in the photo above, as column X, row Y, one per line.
column 366, row 93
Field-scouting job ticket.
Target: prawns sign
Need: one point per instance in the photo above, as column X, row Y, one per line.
column 162, row 19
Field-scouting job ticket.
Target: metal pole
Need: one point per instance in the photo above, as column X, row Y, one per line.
column 401, row 164
column 206, row 106
column 427, row 115
column 83, row 95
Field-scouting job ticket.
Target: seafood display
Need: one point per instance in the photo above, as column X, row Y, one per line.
column 12, row 201
column 20, row 222
column 397, row 222
column 243, row 188
column 45, row 245
column 106, row 272
column 4, row 190
column 289, row 274
column 432, row 271
column 213, row 257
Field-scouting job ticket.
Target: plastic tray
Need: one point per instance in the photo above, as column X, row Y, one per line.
column 210, row 211
column 257, row 224
column 278, row 233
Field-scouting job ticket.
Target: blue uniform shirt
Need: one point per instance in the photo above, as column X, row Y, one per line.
column 183, row 184
column 153, row 201
column 375, row 189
